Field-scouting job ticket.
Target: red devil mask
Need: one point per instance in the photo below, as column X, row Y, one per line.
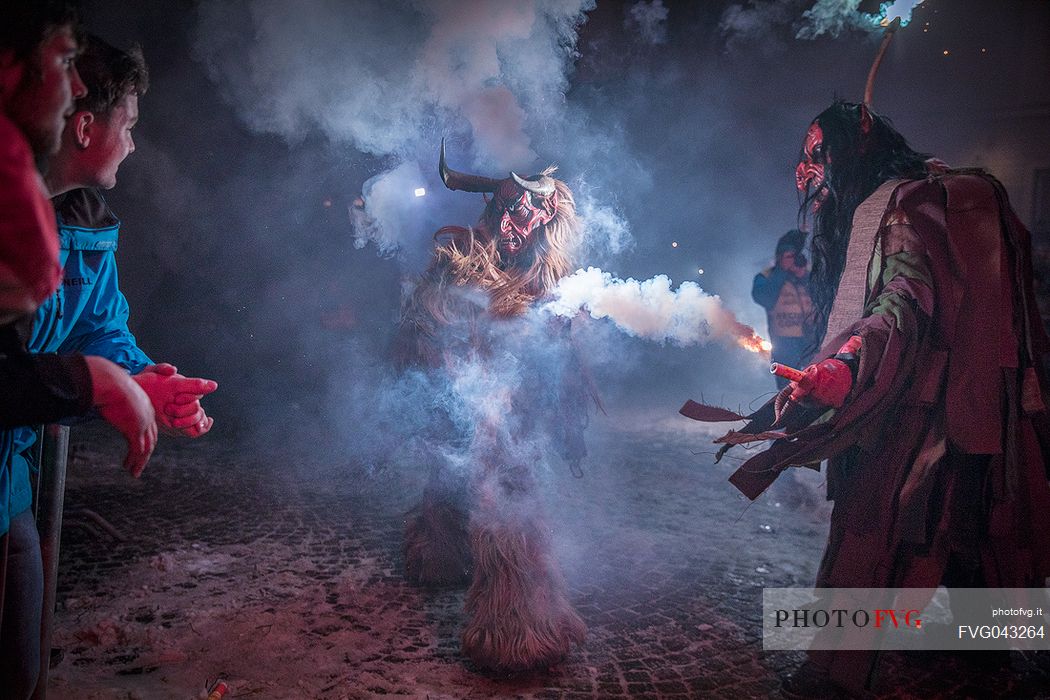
column 809, row 174
column 521, row 204
column 521, row 212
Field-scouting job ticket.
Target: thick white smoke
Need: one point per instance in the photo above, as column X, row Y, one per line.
column 392, row 77
column 292, row 68
column 391, row 198
column 651, row 309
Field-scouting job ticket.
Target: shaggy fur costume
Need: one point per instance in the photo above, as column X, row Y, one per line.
column 480, row 516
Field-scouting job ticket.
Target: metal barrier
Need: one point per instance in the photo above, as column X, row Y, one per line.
column 48, row 497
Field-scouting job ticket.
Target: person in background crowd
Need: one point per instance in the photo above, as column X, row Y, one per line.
column 783, row 291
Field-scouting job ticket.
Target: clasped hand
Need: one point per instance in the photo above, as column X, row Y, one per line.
column 176, row 399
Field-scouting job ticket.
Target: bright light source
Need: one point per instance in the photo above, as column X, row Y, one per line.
column 420, row 191
column 888, row 11
column 700, row 271
column 674, row 244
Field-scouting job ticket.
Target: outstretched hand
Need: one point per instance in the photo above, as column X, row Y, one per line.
column 828, row 382
column 176, row 399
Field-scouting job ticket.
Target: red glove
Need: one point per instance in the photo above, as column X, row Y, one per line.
column 829, row 381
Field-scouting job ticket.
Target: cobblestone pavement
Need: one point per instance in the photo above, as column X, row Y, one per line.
column 284, row 576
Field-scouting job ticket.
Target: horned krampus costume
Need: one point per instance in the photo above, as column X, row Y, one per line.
column 514, row 391
column 937, row 443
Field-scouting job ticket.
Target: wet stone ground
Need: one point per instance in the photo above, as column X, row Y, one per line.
column 283, row 575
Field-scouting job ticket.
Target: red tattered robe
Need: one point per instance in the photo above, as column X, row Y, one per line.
column 941, row 447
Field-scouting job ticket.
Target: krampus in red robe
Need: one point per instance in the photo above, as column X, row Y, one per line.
column 513, row 391
column 933, row 364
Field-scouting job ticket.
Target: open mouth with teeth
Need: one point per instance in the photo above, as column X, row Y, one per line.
column 511, row 241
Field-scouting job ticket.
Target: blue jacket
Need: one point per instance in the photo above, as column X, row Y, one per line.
column 88, row 314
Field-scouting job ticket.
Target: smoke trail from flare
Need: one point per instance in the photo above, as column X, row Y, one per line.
column 651, row 309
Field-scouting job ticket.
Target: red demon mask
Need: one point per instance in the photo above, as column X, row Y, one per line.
column 522, row 204
column 809, row 174
column 522, row 211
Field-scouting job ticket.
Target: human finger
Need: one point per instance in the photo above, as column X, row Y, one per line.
column 140, row 448
column 182, row 398
column 174, row 410
column 189, row 421
column 200, row 428
column 196, row 385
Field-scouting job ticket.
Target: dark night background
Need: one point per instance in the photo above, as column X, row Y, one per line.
column 237, row 251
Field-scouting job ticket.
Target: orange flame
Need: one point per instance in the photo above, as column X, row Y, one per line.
column 743, row 334
column 755, row 343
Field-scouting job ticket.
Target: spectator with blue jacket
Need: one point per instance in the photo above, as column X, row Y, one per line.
column 38, row 82
column 88, row 313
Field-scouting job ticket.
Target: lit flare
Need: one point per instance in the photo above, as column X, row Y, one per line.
column 755, row 343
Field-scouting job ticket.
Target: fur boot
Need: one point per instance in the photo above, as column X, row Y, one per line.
column 519, row 617
column 436, row 548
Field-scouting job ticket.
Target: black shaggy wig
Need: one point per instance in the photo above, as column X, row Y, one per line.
column 858, row 156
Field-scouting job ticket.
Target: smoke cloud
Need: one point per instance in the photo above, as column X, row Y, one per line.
column 756, row 20
column 759, row 19
column 650, row 309
column 388, row 222
column 392, row 78
column 889, row 11
column 651, row 20
column 831, row 17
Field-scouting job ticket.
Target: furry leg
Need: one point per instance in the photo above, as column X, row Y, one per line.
column 519, row 616
column 436, row 549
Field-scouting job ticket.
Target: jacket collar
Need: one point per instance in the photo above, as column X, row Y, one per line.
column 85, row 221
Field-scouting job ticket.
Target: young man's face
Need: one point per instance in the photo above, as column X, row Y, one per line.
column 43, row 99
column 110, row 142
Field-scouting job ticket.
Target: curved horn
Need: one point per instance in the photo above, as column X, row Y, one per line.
column 543, row 185
column 455, row 180
column 887, row 37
